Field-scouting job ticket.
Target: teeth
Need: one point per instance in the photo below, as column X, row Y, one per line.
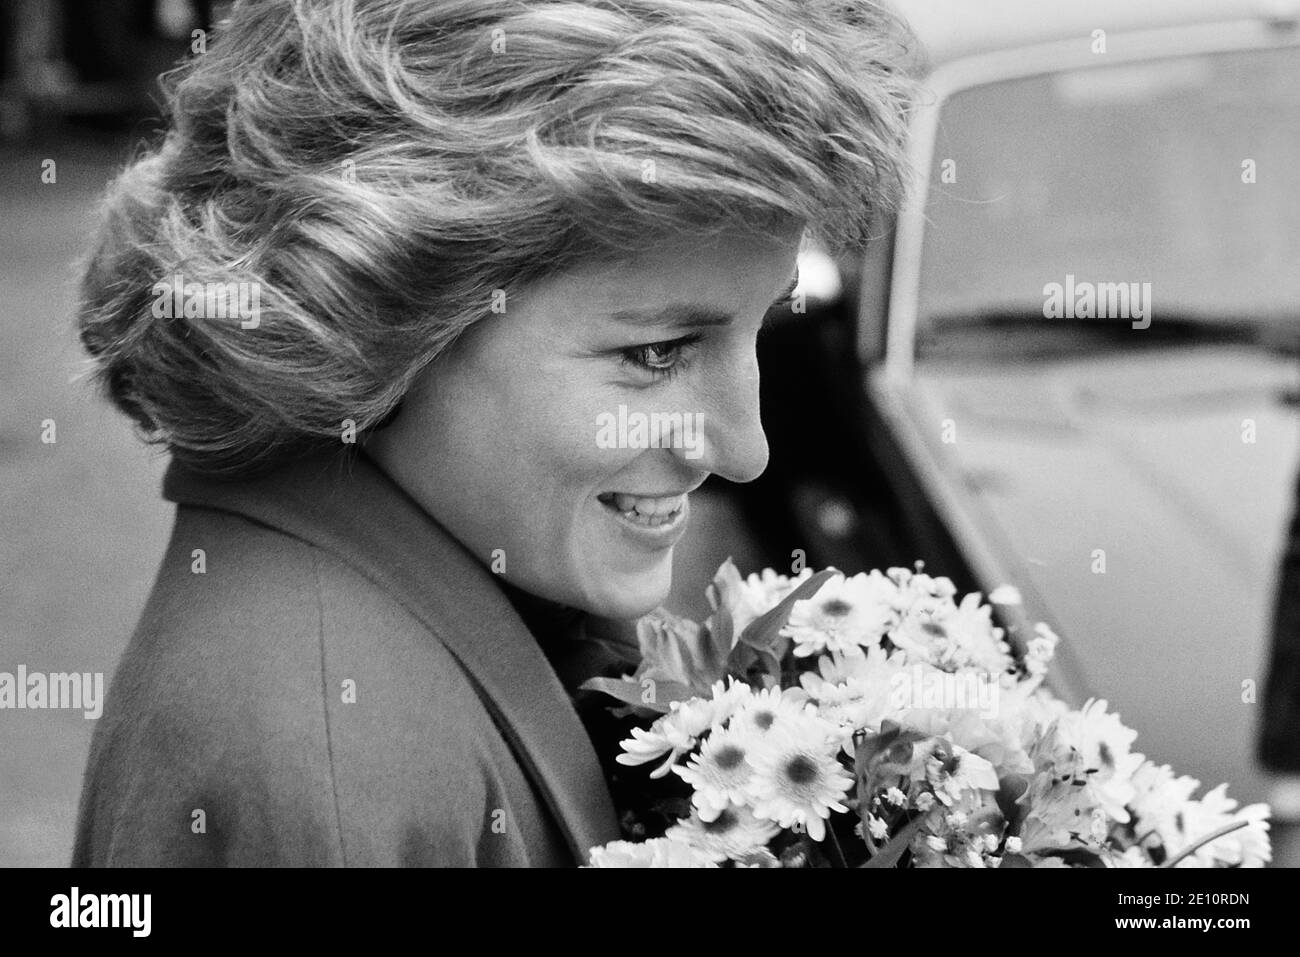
column 646, row 510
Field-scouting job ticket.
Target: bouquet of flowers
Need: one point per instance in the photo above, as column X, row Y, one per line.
column 874, row 720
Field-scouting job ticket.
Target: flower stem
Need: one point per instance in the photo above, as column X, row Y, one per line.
column 1187, row 852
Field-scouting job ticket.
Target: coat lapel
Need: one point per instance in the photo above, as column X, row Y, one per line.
column 347, row 505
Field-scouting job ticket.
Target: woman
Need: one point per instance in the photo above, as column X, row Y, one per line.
column 442, row 309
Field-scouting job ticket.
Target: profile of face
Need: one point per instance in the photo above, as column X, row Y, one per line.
column 559, row 439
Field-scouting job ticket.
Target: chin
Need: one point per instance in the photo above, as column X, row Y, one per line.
column 629, row 596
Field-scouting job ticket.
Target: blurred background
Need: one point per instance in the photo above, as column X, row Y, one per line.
column 1136, row 484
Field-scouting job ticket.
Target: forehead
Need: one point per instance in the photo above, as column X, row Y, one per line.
column 730, row 266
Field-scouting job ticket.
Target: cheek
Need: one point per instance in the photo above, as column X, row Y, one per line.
column 549, row 432
column 529, row 472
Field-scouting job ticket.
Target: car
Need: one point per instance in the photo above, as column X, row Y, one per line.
column 1069, row 362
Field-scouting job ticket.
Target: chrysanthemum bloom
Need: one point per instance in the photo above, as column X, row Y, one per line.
column 954, row 637
column 729, row 696
column 764, row 713
column 658, row 852
column 1093, row 746
column 673, row 735
column 1159, row 797
column 735, row 834
column 1245, row 847
column 797, row 778
column 844, row 614
column 856, row 690
column 720, row 773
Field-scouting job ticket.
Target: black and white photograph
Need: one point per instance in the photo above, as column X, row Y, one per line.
column 650, row 434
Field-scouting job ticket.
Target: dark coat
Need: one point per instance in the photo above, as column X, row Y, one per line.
column 230, row 735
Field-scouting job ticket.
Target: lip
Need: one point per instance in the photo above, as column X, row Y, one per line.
column 652, row 537
column 667, row 493
column 671, row 494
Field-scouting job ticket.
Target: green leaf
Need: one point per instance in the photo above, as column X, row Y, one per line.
column 1078, row 857
column 632, row 692
column 888, row 855
column 722, row 630
column 1011, row 789
column 762, row 633
column 754, row 666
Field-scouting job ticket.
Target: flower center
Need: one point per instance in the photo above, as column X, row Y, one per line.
column 728, row 757
column 836, row 607
column 801, row 770
column 763, row 720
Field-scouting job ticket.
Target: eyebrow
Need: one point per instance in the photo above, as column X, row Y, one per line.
column 682, row 314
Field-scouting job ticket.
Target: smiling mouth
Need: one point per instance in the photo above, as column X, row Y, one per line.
column 647, row 510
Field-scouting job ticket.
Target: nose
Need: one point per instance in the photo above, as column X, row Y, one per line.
column 731, row 439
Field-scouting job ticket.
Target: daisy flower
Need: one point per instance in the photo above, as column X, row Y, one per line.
column 719, row 772
column 764, row 713
column 1098, row 752
column 856, row 690
column 1245, row 847
column 672, row 734
column 729, row 697
column 844, row 613
column 953, row 637
column 734, row 834
column 657, row 852
column 1157, row 805
column 797, row 778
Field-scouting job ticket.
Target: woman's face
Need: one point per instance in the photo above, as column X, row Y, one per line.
column 559, row 440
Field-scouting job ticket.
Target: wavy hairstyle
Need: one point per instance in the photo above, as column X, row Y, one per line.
column 380, row 168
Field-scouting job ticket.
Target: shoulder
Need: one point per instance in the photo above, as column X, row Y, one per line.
column 304, row 712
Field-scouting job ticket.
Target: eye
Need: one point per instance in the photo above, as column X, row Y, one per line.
column 663, row 359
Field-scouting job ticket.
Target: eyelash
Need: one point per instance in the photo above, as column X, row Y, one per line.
column 638, row 356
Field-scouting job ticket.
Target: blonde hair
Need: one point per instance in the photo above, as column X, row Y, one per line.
column 380, row 168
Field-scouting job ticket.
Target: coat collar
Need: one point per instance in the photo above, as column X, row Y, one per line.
column 345, row 504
